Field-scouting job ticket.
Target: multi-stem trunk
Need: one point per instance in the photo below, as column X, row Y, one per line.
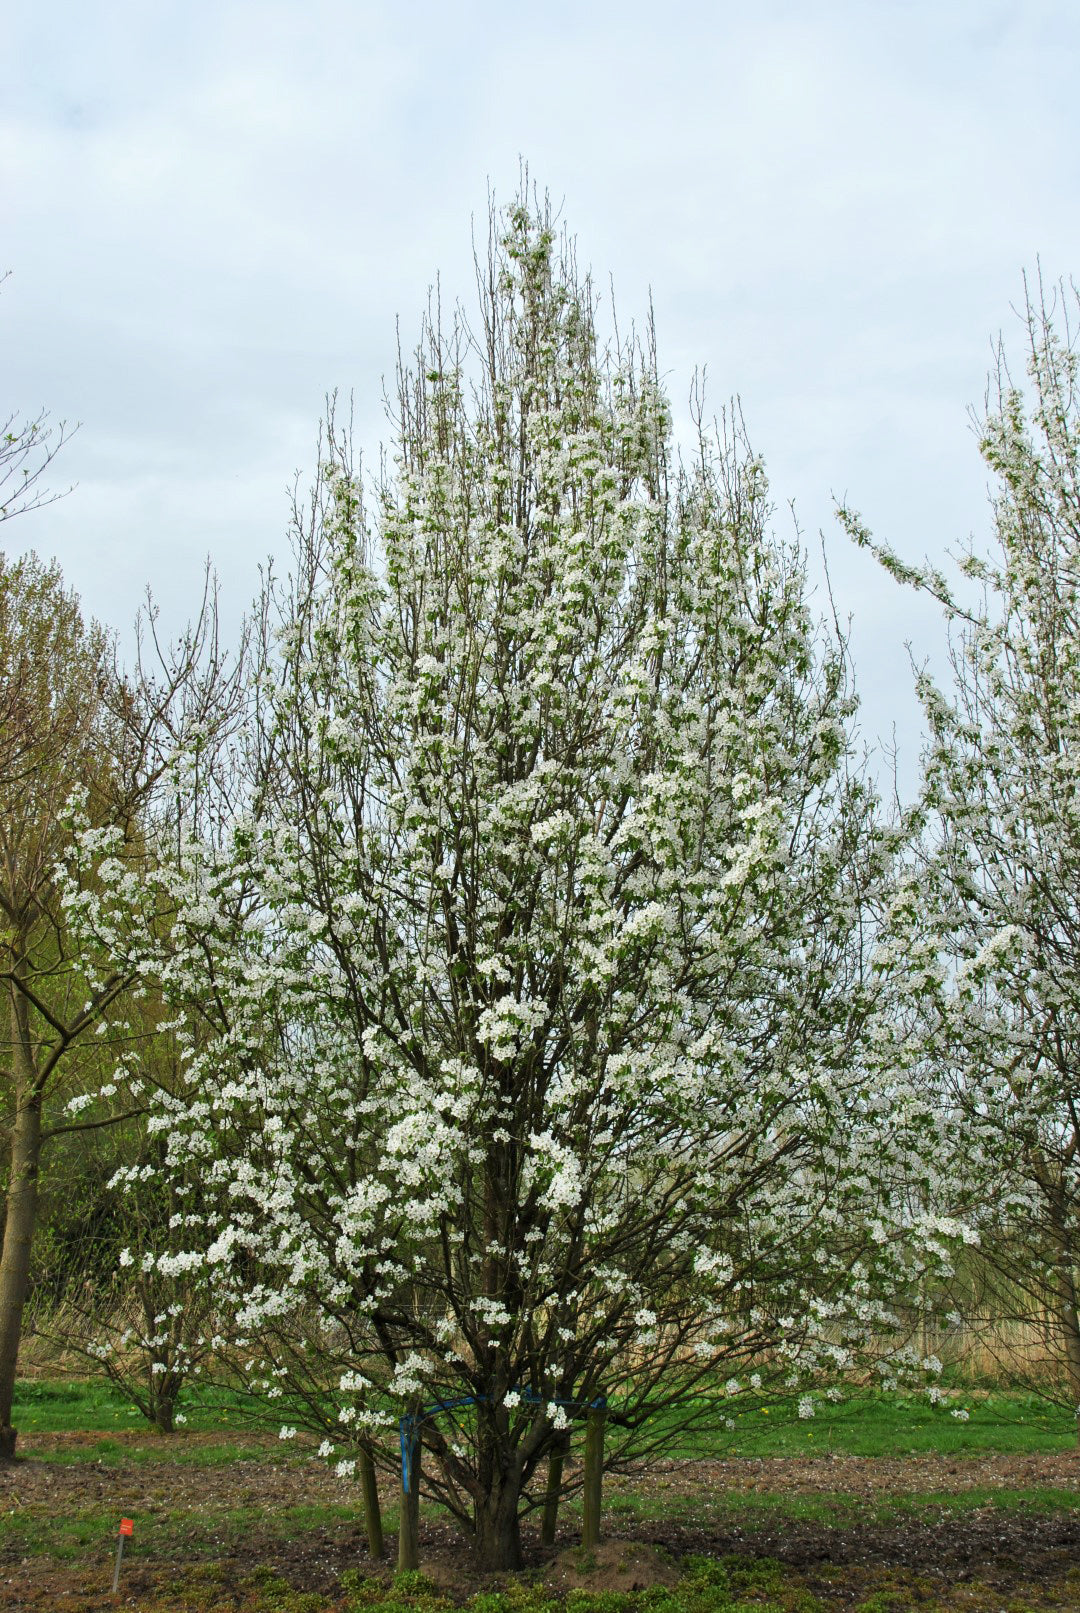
column 21, row 1217
column 498, row 1530
column 496, row 1493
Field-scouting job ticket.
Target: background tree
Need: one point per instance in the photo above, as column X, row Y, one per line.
column 536, row 954
column 987, row 926
column 27, row 449
column 73, row 727
column 103, row 1296
column 56, row 737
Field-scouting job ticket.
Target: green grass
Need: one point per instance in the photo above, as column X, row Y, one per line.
column 109, row 1451
column 763, row 1509
column 873, row 1424
column 68, row 1406
column 52, row 1406
column 162, row 1533
column 728, row 1585
column 864, row 1424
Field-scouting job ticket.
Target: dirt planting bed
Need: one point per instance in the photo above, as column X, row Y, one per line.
column 653, row 1521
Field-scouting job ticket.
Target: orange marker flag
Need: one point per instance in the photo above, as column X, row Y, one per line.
column 127, row 1527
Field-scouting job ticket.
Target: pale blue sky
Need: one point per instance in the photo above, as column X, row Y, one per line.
column 214, row 213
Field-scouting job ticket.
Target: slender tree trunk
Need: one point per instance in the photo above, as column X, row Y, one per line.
column 554, row 1490
column 370, row 1489
column 1064, row 1292
column 164, row 1407
column 164, row 1385
column 1069, row 1323
column 21, row 1216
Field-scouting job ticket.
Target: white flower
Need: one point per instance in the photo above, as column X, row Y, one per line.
column 126, row 1257
column 961, row 1416
column 345, row 1470
column 287, row 1433
column 806, row 1406
column 511, row 1399
column 326, row 1448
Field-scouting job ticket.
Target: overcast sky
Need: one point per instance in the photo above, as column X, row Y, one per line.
column 214, row 214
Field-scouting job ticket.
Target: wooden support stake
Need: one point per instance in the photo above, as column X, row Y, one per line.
column 554, row 1489
column 370, row 1490
column 408, row 1559
column 594, row 1469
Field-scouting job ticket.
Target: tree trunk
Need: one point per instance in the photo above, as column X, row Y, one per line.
column 409, row 1509
column 21, row 1216
column 498, row 1530
column 370, row 1490
column 1064, row 1292
column 554, row 1490
column 1069, row 1323
column 164, row 1407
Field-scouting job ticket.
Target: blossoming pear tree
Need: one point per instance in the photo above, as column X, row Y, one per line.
column 526, row 994
column 988, row 923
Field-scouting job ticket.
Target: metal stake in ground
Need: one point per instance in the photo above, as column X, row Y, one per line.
column 127, row 1527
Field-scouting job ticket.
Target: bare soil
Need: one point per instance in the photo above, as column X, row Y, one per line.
column 1006, row 1555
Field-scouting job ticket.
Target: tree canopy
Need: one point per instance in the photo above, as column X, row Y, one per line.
column 524, row 971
